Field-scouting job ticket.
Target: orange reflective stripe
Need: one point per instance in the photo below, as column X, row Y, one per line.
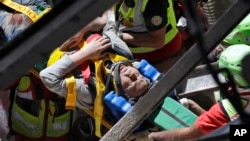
column 71, row 93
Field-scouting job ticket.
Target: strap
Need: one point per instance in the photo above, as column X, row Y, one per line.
column 34, row 72
column 55, row 56
column 104, row 122
column 25, row 10
column 71, row 93
column 98, row 104
column 85, row 71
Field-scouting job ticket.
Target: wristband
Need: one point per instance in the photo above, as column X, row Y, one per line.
column 184, row 102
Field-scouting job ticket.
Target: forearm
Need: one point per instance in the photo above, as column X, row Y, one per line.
column 194, row 107
column 144, row 40
column 54, row 76
column 96, row 25
column 180, row 134
column 79, row 57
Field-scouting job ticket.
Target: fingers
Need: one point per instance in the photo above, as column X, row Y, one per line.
column 156, row 136
column 105, row 42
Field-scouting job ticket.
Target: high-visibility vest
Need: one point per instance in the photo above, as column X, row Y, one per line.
column 35, row 116
column 134, row 21
column 230, row 111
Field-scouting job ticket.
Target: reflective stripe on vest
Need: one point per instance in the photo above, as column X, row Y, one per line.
column 20, row 118
column 139, row 26
column 24, row 89
column 32, row 126
column 27, row 124
column 230, row 110
column 57, row 126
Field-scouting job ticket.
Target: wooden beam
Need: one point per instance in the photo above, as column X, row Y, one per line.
column 154, row 96
column 38, row 41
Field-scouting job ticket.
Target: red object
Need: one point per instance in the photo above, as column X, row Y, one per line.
column 85, row 65
column 212, row 119
column 166, row 52
column 93, row 36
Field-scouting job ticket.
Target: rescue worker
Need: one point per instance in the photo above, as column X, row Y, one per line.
column 239, row 35
column 149, row 28
column 221, row 112
column 95, row 26
column 36, row 113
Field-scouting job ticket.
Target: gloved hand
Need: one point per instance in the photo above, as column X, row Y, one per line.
column 110, row 26
column 118, row 45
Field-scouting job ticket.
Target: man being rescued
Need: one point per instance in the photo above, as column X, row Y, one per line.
column 132, row 83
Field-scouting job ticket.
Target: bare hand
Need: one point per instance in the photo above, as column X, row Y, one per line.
column 94, row 50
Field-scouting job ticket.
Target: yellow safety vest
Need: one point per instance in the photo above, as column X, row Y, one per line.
column 32, row 122
column 134, row 21
column 229, row 109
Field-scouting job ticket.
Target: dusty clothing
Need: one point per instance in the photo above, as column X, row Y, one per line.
column 216, row 117
column 12, row 22
column 53, row 78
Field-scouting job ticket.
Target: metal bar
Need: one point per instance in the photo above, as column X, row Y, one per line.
column 155, row 96
column 37, row 41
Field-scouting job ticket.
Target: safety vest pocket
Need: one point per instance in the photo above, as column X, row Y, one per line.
column 26, row 123
column 30, row 106
column 58, row 126
column 59, row 105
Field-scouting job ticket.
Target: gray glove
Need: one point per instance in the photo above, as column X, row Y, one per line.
column 110, row 26
column 118, row 45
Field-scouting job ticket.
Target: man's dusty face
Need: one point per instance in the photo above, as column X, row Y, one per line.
column 133, row 83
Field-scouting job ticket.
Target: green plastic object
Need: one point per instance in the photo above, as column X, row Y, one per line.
column 231, row 59
column 240, row 34
column 41, row 65
column 171, row 114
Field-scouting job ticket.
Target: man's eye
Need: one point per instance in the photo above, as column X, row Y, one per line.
column 127, row 72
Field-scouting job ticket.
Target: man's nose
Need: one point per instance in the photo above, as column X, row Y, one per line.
column 133, row 76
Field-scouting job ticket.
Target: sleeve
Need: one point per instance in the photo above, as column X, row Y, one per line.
column 155, row 14
column 54, row 79
column 211, row 120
